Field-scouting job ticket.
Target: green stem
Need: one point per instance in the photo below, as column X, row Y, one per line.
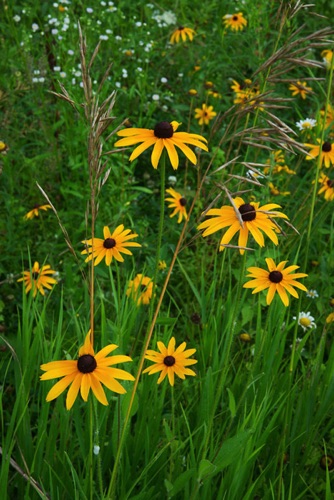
column 112, row 485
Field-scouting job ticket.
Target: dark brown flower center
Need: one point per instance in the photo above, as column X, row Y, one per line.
column 275, row 276
column 35, row 275
column 109, row 243
column 326, row 147
column 248, row 212
column 235, row 18
column 330, row 183
column 169, row 361
column 37, row 205
column 86, row 363
column 181, row 28
column 182, row 202
column 163, row 130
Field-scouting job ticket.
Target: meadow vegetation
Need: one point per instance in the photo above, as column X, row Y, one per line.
column 167, row 250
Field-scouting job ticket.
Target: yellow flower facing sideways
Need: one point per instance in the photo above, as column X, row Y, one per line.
column 244, row 218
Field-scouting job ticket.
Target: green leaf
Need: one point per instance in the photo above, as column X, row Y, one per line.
column 231, row 403
column 206, row 468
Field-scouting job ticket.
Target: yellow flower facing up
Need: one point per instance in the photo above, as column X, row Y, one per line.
column 235, row 21
column 38, row 278
column 164, row 135
column 276, row 279
column 249, row 218
column 205, row 114
column 300, row 88
column 327, row 187
column 178, row 202
column 87, row 372
column 170, row 361
column 111, row 246
column 35, row 211
column 182, row 33
column 325, row 150
column 140, row 289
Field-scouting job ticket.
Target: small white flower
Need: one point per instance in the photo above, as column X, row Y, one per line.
column 305, row 320
column 139, row 69
column 118, row 38
column 41, row 79
column 163, row 80
column 70, row 52
column 36, row 71
column 155, row 97
column 118, row 85
column 138, row 24
column 96, row 449
column 103, row 4
column 17, row 19
column 81, row 84
column 62, row 74
column 56, row 68
column 35, row 27
column 312, row 294
column 307, row 124
column 89, row 10
column 109, row 32
column 104, row 37
column 35, row 79
column 172, row 179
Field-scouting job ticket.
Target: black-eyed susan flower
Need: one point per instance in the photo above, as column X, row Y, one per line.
column 325, row 150
column 327, row 56
column 170, row 361
column 329, row 118
column 38, row 278
column 235, row 21
column 163, row 135
column 204, row 114
column 140, row 289
column 162, row 265
column 245, row 337
column 111, row 246
column 245, row 218
column 300, row 88
column 35, row 211
column 182, row 33
column 192, row 92
column 3, row 148
column 275, row 191
column 305, row 320
column 330, row 318
column 214, row 93
column 327, row 187
column 178, row 202
column 87, row 372
column 276, row 279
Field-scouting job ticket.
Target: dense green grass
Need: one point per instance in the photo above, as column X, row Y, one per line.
column 258, row 417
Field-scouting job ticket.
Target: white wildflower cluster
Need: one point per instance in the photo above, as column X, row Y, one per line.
column 167, row 18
